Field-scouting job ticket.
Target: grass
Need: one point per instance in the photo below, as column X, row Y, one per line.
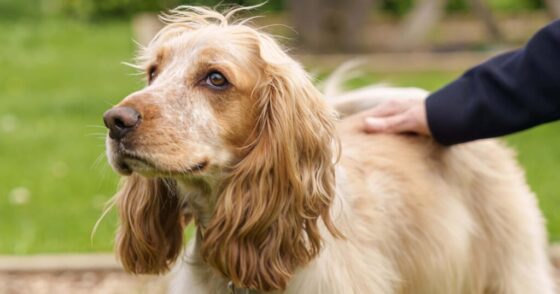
column 58, row 78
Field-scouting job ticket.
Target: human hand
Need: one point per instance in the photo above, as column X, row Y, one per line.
column 398, row 116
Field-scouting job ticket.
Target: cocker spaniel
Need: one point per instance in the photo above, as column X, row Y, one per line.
column 287, row 198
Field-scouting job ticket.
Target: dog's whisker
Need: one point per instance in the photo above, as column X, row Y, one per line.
column 98, row 160
column 96, row 126
column 141, row 69
column 108, row 206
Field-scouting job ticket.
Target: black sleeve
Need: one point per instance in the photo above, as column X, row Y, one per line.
column 508, row 93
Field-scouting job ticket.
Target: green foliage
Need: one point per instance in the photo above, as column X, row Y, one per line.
column 11, row 9
column 103, row 9
column 396, row 7
column 515, row 5
column 95, row 9
column 401, row 7
column 457, row 5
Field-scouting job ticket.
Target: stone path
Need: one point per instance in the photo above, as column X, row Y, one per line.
column 72, row 274
column 93, row 274
column 78, row 282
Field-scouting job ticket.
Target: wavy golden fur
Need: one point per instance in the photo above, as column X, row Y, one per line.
column 150, row 236
column 283, row 174
column 286, row 177
column 253, row 161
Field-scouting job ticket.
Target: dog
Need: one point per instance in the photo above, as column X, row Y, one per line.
column 289, row 196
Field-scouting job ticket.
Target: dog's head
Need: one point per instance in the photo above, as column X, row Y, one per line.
column 223, row 102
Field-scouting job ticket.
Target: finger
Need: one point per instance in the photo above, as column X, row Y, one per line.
column 386, row 109
column 392, row 124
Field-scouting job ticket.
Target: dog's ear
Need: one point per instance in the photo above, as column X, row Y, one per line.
column 266, row 223
column 150, row 235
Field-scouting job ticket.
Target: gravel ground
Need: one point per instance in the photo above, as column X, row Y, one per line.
column 81, row 282
column 81, row 275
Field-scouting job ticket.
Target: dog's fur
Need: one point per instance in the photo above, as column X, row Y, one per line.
column 287, row 199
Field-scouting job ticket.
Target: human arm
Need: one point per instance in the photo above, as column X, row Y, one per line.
column 508, row 93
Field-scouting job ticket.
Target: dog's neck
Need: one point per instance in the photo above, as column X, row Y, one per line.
column 199, row 198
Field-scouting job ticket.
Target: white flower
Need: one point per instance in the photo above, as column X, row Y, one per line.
column 8, row 123
column 20, row 196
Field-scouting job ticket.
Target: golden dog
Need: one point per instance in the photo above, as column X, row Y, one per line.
column 286, row 198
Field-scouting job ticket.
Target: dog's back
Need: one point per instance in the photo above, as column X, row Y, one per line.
column 430, row 219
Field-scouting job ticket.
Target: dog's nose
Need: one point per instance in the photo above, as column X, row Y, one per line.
column 120, row 121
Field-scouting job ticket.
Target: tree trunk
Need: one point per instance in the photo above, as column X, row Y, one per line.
column 553, row 7
column 485, row 14
column 331, row 25
column 419, row 22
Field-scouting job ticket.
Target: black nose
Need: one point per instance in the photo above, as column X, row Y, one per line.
column 120, row 121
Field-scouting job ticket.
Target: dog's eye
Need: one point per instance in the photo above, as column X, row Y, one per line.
column 216, row 80
column 152, row 73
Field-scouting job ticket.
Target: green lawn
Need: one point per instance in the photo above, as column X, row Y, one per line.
column 57, row 79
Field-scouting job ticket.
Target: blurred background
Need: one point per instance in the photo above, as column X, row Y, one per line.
column 61, row 68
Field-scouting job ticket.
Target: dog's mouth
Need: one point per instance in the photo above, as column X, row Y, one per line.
column 127, row 162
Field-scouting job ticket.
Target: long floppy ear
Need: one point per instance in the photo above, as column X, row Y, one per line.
column 266, row 223
column 150, row 235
